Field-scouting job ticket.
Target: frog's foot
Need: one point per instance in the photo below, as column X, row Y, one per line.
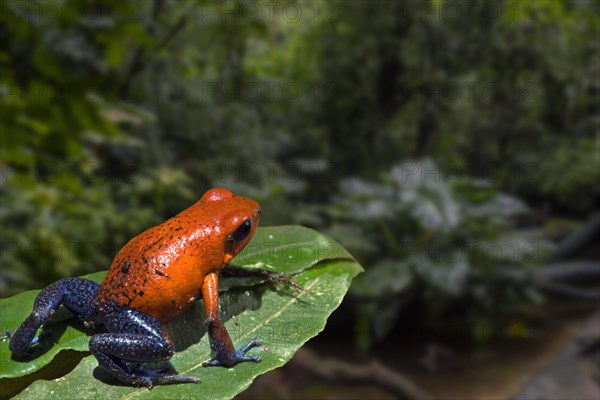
column 34, row 346
column 237, row 357
column 141, row 376
column 157, row 377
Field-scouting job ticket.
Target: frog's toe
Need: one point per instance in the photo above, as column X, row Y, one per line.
column 141, row 381
column 255, row 359
column 237, row 357
column 31, row 349
column 165, row 379
column 156, row 377
column 253, row 343
column 241, row 353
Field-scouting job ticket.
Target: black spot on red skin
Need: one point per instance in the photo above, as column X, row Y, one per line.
column 125, row 267
column 159, row 272
column 157, row 240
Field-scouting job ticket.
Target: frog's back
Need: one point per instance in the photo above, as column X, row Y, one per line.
column 159, row 271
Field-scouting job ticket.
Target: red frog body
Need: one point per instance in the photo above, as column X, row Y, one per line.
column 154, row 278
column 162, row 270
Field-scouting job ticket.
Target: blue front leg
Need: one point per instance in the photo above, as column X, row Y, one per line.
column 74, row 293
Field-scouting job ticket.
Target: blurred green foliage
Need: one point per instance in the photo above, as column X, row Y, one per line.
column 117, row 114
column 438, row 240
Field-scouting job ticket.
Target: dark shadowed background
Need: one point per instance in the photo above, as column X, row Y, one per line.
column 451, row 146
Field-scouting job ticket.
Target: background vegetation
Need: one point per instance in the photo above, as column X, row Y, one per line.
column 449, row 145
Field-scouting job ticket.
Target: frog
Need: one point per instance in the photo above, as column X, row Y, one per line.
column 153, row 279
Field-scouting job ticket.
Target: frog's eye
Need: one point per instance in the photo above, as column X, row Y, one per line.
column 242, row 232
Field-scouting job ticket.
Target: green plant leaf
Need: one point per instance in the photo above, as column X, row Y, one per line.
column 283, row 317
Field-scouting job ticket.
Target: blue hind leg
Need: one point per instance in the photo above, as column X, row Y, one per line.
column 137, row 337
column 74, row 293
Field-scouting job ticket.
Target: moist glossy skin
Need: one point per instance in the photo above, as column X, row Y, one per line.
column 154, row 278
column 160, row 271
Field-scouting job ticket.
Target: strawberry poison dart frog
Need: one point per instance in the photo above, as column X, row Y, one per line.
column 153, row 279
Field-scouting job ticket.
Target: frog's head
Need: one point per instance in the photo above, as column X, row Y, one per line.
column 236, row 219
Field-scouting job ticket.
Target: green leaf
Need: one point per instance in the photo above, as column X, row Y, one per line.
column 283, row 317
